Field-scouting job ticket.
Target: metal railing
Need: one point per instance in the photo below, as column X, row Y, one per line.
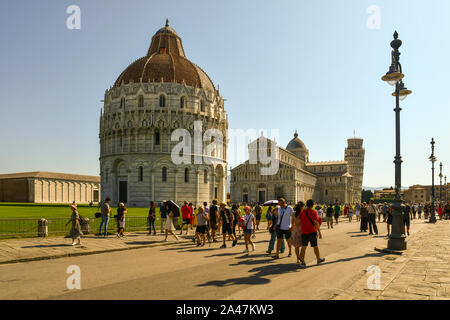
column 30, row 226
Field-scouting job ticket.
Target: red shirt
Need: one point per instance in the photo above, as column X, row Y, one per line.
column 185, row 211
column 307, row 227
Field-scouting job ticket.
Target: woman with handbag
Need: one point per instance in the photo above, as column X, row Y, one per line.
column 250, row 222
column 169, row 227
column 121, row 211
column 75, row 231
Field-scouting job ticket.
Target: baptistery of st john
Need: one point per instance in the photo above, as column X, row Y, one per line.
column 151, row 98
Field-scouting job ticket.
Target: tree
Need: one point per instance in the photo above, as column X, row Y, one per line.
column 366, row 195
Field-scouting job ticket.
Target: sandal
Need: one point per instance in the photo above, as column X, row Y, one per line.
column 275, row 257
column 289, row 255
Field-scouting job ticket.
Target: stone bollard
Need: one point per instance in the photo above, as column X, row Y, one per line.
column 85, row 226
column 42, row 228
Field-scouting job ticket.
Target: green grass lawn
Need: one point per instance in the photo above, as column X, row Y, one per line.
column 27, row 215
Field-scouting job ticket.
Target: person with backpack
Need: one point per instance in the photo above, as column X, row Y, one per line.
column 371, row 217
column 151, row 218
column 249, row 224
column 329, row 214
column 296, row 237
column 202, row 226
column 106, row 210
column 258, row 213
column 272, row 218
column 406, row 217
column 237, row 216
column 309, row 224
column 227, row 219
column 364, row 217
column 419, row 210
column 284, row 226
column 213, row 220
column 185, row 214
column 337, row 212
column 121, row 211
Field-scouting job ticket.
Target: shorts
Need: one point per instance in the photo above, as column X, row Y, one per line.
column 122, row 223
column 186, row 221
column 406, row 222
column 226, row 228
column 212, row 225
column 258, row 217
column 286, row 233
column 201, row 229
column 350, row 214
column 248, row 231
column 309, row 238
column 357, row 213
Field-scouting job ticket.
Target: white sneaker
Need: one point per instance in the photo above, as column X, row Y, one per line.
column 245, row 251
column 73, row 243
column 253, row 247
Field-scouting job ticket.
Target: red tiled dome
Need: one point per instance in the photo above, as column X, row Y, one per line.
column 165, row 61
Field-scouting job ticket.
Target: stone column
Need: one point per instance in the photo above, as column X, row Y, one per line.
column 197, row 186
column 152, row 171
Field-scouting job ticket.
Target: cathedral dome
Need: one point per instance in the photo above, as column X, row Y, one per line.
column 165, row 62
column 295, row 143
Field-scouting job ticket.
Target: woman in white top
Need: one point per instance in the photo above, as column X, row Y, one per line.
column 250, row 222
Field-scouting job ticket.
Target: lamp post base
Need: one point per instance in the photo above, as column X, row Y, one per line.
column 397, row 244
column 397, row 237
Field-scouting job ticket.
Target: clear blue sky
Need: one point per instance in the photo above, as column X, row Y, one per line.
column 314, row 66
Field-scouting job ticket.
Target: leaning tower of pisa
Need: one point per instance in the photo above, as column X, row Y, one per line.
column 354, row 155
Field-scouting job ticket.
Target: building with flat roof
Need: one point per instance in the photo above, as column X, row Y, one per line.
column 49, row 187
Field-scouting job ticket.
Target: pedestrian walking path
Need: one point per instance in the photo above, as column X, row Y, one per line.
column 422, row 272
column 32, row 249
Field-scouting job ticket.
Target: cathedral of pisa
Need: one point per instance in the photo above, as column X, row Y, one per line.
column 152, row 97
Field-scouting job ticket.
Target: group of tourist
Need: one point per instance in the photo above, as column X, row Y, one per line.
column 289, row 227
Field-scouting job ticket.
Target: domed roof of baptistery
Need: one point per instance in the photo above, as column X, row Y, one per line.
column 165, row 62
column 295, row 143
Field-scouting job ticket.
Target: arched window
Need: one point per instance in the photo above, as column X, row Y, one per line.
column 141, row 174
column 141, row 101
column 162, row 101
column 122, row 102
column 157, row 138
column 182, row 102
column 202, row 106
column 205, row 176
column 186, row 175
column 164, row 174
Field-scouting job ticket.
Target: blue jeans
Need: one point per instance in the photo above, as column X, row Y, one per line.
column 151, row 224
column 105, row 220
column 273, row 239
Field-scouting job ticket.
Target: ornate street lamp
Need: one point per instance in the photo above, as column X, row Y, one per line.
column 440, row 182
column 394, row 77
column 433, row 160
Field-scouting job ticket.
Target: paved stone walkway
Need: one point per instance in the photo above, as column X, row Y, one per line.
column 422, row 272
column 32, row 249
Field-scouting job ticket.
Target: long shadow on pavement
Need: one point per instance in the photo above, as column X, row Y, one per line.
column 48, row 245
column 257, row 278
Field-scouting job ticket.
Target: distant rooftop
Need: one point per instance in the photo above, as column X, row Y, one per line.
column 50, row 175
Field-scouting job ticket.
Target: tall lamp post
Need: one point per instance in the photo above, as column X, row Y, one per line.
column 394, row 77
column 445, row 179
column 440, row 182
column 433, row 160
